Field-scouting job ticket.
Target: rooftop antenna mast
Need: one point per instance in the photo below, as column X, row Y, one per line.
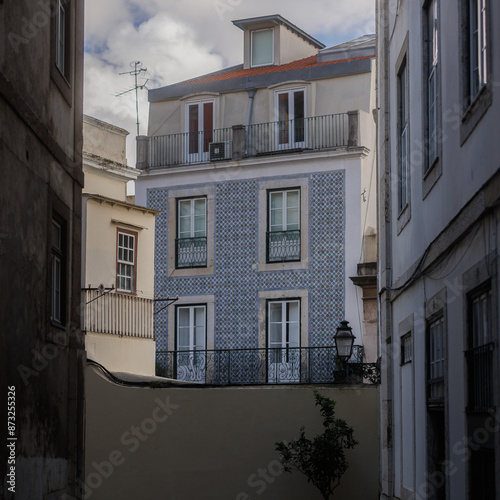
column 138, row 69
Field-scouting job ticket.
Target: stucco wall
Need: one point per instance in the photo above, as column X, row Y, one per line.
column 216, row 443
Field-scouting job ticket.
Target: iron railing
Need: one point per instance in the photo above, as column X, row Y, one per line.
column 186, row 148
column 293, row 365
column 283, row 246
column 191, row 252
column 118, row 314
column 315, row 133
column 480, row 378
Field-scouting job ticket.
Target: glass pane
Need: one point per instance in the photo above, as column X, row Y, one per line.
column 199, row 207
column 275, row 313
column 293, row 311
column 292, row 199
column 199, row 318
column 183, row 317
column 193, row 128
column 275, row 334
column 298, row 107
column 208, row 125
column 262, row 47
column 185, row 227
column 183, row 339
column 199, row 226
column 56, row 235
column 184, row 208
column 276, row 220
column 276, row 200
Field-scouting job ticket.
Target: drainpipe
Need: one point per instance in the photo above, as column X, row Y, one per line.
column 251, row 95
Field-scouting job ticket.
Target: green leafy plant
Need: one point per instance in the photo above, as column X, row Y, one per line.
column 322, row 460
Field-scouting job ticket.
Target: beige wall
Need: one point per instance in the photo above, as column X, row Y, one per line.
column 122, row 354
column 216, row 443
column 96, row 183
column 101, row 244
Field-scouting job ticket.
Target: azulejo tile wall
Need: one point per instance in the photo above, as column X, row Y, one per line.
column 236, row 280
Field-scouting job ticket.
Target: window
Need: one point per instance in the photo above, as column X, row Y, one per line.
column 480, row 392
column 284, row 341
column 191, row 342
column 290, row 114
column 126, row 261
column 478, row 48
column 432, row 111
column 191, row 242
column 480, row 352
column 200, row 128
column 262, row 47
column 403, row 136
column 406, row 349
column 283, row 236
column 62, row 45
column 58, row 285
column 435, row 362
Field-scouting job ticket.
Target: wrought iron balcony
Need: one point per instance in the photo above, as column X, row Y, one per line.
column 191, row 252
column 480, row 378
column 283, row 246
column 293, row 365
column 118, row 314
column 305, row 134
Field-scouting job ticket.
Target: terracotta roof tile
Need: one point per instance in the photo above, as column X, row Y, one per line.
column 308, row 62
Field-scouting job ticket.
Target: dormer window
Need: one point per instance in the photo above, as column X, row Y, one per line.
column 262, row 47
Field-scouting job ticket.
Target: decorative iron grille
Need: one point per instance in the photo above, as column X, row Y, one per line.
column 479, row 378
column 191, row 252
column 283, row 246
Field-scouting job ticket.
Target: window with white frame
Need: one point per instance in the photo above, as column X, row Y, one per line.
column 191, row 243
column 57, row 278
column 191, row 338
column 290, row 115
column 262, row 47
column 478, row 47
column 283, row 236
column 406, row 349
column 403, row 135
column 126, row 261
column 284, row 340
column 200, row 129
column 432, row 56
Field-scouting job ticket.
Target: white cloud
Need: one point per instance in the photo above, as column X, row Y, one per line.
column 177, row 40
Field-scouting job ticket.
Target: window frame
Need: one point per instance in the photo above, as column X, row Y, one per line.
column 403, row 136
column 204, row 136
column 284, row 210
column 135, row 237
column 192, row 216
column 406, row 343
column 435, row 402
column 58, row 255
column 191, row 308
column 252, row 65
column 63, row 76
column 291, row 121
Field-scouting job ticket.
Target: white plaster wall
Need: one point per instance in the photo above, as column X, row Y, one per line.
column 105, row 186
column 292, row 47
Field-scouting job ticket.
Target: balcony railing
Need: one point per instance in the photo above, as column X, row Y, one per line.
column 283, row 246
column 293, row 365
column 118, row 314
column 310, row 134
column 480, row 378
column 186, row 148
column 191, row 252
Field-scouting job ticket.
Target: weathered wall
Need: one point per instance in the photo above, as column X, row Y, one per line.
column 41, row 167
column 216, row 443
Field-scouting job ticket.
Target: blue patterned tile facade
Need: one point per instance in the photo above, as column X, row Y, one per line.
column 235, row 284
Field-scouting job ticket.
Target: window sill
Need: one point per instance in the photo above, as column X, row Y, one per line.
column 474, row 113
column 431, row 176
column 403, row 218
column 283, row 266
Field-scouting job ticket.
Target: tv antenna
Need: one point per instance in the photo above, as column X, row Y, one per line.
column 138, row 69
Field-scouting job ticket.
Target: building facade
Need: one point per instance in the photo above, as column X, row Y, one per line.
column 263, row 174
column 41, row 345
column 118, row 245
column 439, row 188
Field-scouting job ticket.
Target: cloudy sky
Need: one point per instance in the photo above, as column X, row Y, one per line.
column 180, row 39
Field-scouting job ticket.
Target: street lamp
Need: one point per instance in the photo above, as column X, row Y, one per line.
column 344, row 340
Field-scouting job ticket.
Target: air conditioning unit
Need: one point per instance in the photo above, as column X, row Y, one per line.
column 220, row 151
